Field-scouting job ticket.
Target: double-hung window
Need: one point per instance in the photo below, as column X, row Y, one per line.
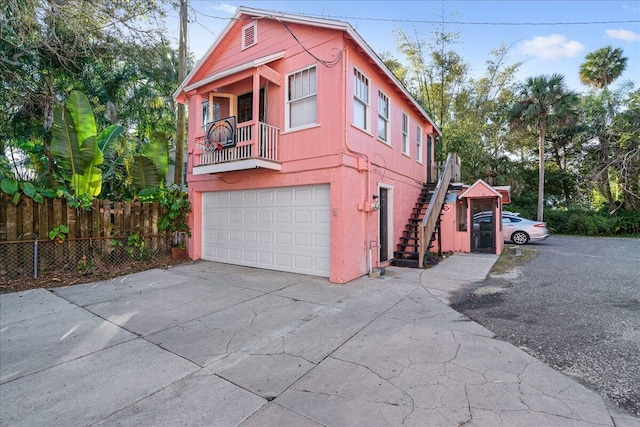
column 361, row 100
column 302, row 98
column 418, row 144
column 405, row 134
column 383, row 117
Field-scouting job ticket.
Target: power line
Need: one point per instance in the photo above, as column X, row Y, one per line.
column 329, row 64
column 426, row 21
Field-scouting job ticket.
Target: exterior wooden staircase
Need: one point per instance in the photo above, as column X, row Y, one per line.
column 407, row 253
column 423, row 224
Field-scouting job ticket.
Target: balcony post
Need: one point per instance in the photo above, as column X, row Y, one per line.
column 255, row 114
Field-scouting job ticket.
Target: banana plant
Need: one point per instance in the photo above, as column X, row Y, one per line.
column 150, row 166
column 76, row 146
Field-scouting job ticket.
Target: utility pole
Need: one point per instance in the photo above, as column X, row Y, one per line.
column 182, row 71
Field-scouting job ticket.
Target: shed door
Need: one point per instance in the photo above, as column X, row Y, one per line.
column 483, row 236
column 285, row 229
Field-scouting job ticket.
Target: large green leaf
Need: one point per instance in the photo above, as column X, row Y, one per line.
column 74, row 156
column 28, row 188
column 145, row 173
column 9, row 186
column 64, row 145
column 89, row 183
column 75, row 144
column 107, row 137
column 157, row 150
column 83, row 119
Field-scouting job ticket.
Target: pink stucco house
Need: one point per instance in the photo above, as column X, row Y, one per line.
column 305, row 153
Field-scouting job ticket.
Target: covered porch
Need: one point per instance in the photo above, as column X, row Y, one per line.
column 236, row 131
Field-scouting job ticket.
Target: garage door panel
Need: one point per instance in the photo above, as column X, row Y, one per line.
column 283, row 229
column 266, row 237
column 303, row 262
column 321, row 241
column 265, row 258
column 266, row 198
column 321, row 264
column 321, row 217
column 235, row 255
column 283, row 197
column 303, row 217
column 236, row 199
column 302, row 239
column 265, row 217
column 283, row 261
column 283, row 239
column 249, row 256
column 250, row 236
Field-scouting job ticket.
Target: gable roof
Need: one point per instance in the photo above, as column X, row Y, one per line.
column 480, row 188
column 305, row 20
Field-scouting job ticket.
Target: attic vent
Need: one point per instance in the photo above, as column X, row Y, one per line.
column 249, row 34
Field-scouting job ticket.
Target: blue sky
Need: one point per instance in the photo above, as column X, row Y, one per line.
column 548, row 36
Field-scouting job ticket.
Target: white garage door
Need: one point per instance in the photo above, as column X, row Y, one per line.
column 285, row 229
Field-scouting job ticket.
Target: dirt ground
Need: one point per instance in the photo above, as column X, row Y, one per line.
column 67, row 278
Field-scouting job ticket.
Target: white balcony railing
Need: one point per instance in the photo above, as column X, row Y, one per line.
column 265, row 148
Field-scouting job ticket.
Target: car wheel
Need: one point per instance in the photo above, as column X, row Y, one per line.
column 519, row 237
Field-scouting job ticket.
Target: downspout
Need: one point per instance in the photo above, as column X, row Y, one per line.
column 357, row 154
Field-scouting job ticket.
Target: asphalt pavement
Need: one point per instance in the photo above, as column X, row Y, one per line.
column 576, row 307
column 218, row 345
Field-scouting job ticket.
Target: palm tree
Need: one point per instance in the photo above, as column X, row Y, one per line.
column 541, row 102
column 602, row 66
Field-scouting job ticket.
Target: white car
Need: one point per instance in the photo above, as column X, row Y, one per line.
column 515, row 228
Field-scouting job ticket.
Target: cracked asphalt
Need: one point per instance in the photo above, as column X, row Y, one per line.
column 576, row 307
column 217, row 345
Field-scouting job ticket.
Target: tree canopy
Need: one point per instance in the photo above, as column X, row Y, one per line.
column 115, row 52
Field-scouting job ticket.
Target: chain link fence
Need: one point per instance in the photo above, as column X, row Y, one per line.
column 80, row 260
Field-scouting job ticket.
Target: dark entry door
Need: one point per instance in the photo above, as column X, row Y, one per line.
column 429, row 159
column 245, row 107
column 384, row 225
column 483, row 235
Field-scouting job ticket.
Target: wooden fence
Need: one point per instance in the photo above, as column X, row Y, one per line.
column 109, row 236
column 30, row 220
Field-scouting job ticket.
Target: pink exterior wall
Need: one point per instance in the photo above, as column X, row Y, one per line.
column 354, row 162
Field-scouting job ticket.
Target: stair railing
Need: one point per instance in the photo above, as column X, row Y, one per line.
column 450, row 171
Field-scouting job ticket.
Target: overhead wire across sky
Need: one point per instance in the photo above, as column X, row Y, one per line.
column 432, row 21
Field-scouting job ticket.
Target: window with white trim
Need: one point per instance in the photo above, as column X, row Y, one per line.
column 250, row 34
column 405, row 134
column 361, row 105
column 302, row 98
column 418, row 144
column 383, row 117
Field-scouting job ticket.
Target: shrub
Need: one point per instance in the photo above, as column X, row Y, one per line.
column 628, row 222
column 593, row 223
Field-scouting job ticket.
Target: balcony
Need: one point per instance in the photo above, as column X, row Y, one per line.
column 252, row 150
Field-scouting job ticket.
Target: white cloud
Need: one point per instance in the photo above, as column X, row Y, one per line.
column 621, row 34
column 551, row 47
column 230, row 9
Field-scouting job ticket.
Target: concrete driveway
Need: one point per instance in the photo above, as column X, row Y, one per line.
column 218, row 345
